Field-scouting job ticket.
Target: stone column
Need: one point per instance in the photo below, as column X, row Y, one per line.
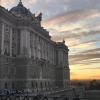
column 25, row 43
column 41, row 72
column 36, row 53
column 47, row 51
column 28, row 43
column 43, row 49
column 2, row 44
column 40, row 47
column 34, row 46
column 51, row 55
column 10, row 41
column 21, row 41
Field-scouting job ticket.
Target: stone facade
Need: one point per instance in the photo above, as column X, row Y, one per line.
column 29, row 59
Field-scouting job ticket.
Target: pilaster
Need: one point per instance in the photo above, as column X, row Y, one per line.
column 25, row 43
column 2, row 43
column 10, row 41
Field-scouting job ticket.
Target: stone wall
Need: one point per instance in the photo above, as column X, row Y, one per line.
column 29, row 58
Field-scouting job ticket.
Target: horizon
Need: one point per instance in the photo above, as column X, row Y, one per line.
column 84, row 79
column 78, row 23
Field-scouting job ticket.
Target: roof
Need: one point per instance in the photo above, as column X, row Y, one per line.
column 21, row 11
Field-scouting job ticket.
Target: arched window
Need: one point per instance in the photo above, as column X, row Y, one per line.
column 32, row 85
column 13, row 85
column 45, row 84
column 5, row 52
column 48, row 84
column 41, row 85
column 36, row 85
column 6, row 86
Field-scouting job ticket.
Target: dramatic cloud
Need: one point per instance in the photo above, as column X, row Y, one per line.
column 7, row 2
column 72, row 16
column 92, row 50
column 89, row 68
column 30, row 2
column 85, row 58
column 96, row 76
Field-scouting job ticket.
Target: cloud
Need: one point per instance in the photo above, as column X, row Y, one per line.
column 30, row 2
column 71, row 16
column 72, row 73
column 57, row 1
column 96, row 76
column 84, row 43
column 72, row 34
column 88, row 56
column 5, row 3
column 90, row 68
column 92, row 50
column 80, row 38
column 77, row 35
column 85, row 58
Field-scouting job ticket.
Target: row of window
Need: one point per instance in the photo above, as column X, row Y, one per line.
column 39, row 47
column 34, row 85
column 7, row 39
column 43, row 48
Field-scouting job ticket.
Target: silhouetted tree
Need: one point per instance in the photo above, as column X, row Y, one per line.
column 94, row 85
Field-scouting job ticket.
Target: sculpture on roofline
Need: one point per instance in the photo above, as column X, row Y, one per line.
column 39, row 17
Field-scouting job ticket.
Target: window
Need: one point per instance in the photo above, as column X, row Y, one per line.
column 41, row 86
column 6, row 86
column 32, row 85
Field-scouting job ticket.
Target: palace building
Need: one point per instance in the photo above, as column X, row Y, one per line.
column 29, row 59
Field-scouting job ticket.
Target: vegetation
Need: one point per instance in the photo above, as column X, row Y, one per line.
column 89, row 85
column 94, row 85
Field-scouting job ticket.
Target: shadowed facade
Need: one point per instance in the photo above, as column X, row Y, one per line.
column 29, row 59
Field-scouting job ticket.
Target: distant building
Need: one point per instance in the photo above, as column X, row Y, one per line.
column 29, row 59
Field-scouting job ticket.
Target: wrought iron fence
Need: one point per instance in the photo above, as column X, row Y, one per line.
column 27, row 95
column 40, row 97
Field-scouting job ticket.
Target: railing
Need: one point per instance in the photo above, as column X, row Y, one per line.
column 40, row 97
column 26, row 95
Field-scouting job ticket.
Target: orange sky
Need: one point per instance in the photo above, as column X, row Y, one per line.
column 84, row 73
